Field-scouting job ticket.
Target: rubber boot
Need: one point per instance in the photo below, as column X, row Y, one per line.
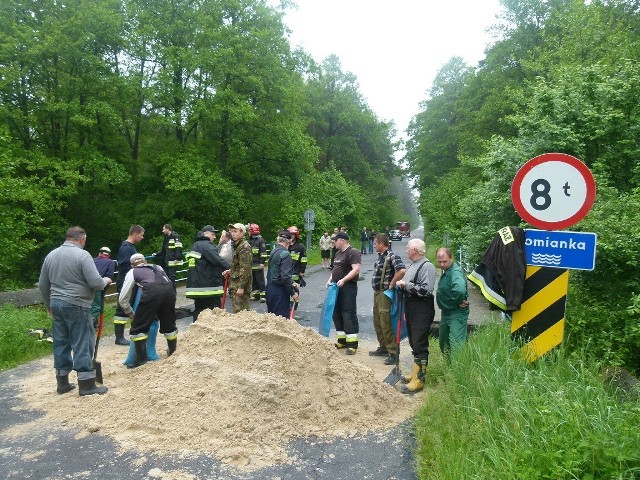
column 119, row 331
column 417, row 383
column 88, row 387
column 151, row 341
column 414, row 372
column 63, row 384
column 131, row 354
column 141, row 353
column 171, row 346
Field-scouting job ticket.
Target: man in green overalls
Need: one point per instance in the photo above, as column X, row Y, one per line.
column 452, row 298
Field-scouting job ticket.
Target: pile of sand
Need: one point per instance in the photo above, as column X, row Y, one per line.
column 239, row 387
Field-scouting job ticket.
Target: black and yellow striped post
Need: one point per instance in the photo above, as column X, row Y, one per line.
column 539, row 324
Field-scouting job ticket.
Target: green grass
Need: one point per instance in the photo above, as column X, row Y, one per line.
column 495, row 416
column 313, row 256
column 17, row 346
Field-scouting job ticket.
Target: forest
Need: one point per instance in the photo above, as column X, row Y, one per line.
column 194, row 112
column 561, row 76
column 148, row 112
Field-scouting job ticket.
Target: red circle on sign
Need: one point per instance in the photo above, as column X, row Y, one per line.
column 528, row 216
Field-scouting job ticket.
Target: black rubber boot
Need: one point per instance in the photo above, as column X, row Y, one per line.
column 119, row 331
column 88, row 387
column 171, row 344
column 141, row 353
column 63, row 384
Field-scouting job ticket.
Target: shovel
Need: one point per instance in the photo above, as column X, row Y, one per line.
column 96, row 364
column 395, row 375
column 224, row 292
column 293, row 305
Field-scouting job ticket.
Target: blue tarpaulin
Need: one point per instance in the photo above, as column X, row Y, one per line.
column 152, row 354
column 326, row 317
column 397, row 311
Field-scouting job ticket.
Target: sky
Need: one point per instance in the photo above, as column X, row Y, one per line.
column 394, row 47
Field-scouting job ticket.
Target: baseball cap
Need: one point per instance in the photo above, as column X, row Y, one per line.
column 285, row 234
column 209, row 228
column 106, row 250
column 342, row 235
column 238, row 226
column 136, row 259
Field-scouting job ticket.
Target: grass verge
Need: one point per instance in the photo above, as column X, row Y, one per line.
column 17, row 346
column 496, row 416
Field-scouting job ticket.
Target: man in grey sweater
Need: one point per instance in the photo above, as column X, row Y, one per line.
column 68, row 282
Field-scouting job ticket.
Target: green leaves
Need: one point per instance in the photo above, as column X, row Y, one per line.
column 562, row 78
column 155, row 111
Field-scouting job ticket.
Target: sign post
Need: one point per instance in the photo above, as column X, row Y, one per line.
column 309, row 225
column 551, row 191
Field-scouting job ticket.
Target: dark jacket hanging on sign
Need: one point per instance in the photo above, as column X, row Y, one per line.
column 501, row 272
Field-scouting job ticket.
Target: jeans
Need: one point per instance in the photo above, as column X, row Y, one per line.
column 73, row 339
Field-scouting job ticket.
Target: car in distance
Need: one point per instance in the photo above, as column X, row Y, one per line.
column 404, row 227
column 395, row 235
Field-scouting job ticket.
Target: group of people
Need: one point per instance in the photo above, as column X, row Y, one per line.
column 73, row 284
column 416, row 284
column 367, row 239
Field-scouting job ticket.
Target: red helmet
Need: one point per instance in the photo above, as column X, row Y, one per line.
column 295, row 231
column 254, row 229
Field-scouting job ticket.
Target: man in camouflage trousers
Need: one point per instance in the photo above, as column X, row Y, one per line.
column 240, row 272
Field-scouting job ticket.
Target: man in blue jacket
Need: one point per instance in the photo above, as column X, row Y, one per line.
column 280, row 285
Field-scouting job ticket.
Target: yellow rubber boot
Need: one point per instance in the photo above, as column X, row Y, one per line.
column 414, row 373
column 417, row 383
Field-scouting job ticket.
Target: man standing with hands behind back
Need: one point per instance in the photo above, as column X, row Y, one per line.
column 345, row 273
column 240, row 272
column 452, row 298
column 68, row 282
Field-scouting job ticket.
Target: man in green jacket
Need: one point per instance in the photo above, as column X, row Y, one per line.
column 452, row 298
column 240, row 273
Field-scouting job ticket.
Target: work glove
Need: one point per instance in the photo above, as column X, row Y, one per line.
column 302, row 282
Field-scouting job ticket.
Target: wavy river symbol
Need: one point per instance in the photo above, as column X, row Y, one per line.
column 546, row 259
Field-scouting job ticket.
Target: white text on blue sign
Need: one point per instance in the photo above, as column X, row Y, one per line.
column 560, row 249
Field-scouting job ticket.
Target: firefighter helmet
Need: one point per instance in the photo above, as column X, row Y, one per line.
column 254, row 229
column 293, row 229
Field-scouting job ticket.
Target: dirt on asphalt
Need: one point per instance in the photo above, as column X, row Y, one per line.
column 239, row 388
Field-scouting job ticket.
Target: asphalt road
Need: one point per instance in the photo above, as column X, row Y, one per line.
column 35, row 449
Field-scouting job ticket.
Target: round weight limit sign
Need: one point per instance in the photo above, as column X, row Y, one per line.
column 553, row 191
